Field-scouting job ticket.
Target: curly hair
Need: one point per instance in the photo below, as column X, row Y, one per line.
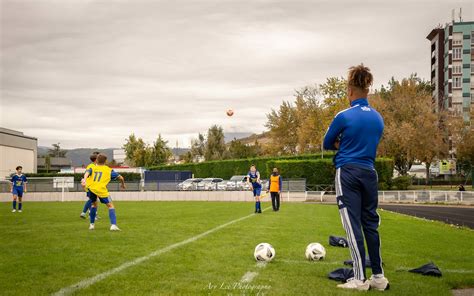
column 359, row 76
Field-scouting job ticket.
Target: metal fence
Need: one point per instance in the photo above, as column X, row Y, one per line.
column 47, row 185
column 456, row 197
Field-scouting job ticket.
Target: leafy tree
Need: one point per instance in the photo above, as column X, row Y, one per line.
column 139, row 154
column 135, row 149
column 215, row 144
column 283, row 125
column 56, row 151
column 238, row 150
column 198, row 146
column 412, row 130
column 301, row 128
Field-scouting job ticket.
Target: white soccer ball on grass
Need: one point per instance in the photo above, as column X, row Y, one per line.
column 264, row 252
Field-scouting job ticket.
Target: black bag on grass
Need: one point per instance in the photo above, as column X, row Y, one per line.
column 341, row 274
column 338, row 241
column 427, row 269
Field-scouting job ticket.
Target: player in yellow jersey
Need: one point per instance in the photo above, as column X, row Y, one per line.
column 88, row 204
column 101, row 175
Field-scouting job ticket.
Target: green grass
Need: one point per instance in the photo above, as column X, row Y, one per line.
column 47, row 247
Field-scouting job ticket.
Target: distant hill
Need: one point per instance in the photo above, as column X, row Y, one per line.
column 79, row 156
column 230, row 136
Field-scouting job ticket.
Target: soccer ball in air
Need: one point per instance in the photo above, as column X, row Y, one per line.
column 230, row 112
column 315, row 252
column 264, row 252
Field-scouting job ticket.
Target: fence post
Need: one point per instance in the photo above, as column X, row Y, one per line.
column 288, row 196
column 461, row 196
column 446, row 196
column 398, row 192
column 383, row 195
column 431, row 199
column 414, row 196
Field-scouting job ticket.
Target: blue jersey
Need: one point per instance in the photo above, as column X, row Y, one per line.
column 254, row 179
column 359, row 129
column 18, row 181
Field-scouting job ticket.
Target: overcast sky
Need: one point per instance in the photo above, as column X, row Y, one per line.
column 89, row 73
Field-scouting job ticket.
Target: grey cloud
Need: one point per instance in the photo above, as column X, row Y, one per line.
column 174, row 67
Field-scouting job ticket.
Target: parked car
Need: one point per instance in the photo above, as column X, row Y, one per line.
column 189, row 184
column 208, row 184
column 236, row 183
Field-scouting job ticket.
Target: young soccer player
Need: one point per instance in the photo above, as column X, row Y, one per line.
column 18, row 187
column 88, row 204
column 274, row 187
column 253, row 178
column 355, row 133
column 101, row 175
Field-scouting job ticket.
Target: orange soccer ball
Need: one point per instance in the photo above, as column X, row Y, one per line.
column 230, row 112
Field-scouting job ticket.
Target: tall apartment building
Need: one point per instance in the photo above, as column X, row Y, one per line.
column 452, row 68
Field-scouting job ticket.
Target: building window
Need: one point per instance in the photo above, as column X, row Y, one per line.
column 472, row 98
column 456, row 53
column 457, row 69
column 456, row 82
column 472, row 68
column 457, row 42
column 472, row 37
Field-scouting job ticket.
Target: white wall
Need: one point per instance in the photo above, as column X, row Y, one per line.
column 11, row 157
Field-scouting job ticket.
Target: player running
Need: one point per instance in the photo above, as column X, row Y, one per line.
column 101, row 175
column 88, row 204
column 17, row 188
column 253, row 179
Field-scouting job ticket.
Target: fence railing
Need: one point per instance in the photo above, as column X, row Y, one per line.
column 47, row 185
column 464, row 197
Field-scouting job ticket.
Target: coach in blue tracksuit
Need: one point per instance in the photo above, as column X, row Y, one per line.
column 355, row 133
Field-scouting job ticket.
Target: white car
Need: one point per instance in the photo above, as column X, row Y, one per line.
column 237, row 183
column 209, row 184
column 189, row 184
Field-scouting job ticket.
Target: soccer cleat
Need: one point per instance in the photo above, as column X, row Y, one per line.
column 83, row 215
column 91, row 227
column 354, row 284
column 13, row 211
column 259, row 211
column 114, row 227
column 19, row 211
column 379, row 282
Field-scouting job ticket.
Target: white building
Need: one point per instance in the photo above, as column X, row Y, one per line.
column 119, row 156
column 16, row 149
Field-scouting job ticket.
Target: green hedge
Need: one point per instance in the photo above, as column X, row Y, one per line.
column 228, row 168
column 78, row 177
column 315, row 171
column 311, row 167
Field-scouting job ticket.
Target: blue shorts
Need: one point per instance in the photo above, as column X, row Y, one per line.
column 257, row 191
column 92, row 196
column 17, row 191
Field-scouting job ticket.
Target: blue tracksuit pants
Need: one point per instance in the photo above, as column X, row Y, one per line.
column 357, row 199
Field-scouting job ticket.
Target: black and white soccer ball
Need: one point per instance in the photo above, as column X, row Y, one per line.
column 315, row 252
column 264, row 252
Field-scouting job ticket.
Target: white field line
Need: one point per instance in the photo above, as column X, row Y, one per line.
column 402, row 268
column 92, row 280
column 250, row 275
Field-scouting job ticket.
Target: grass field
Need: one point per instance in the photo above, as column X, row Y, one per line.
column 47, row 248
